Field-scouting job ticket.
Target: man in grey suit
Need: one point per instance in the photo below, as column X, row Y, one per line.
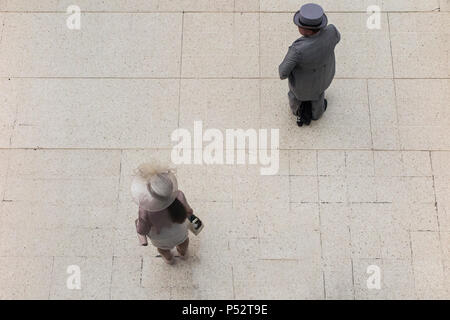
column 310, row 63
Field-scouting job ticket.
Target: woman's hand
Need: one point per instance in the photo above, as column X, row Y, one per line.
column 142, row 240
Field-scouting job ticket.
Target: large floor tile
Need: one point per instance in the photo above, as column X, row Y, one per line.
column 362, row 52
column 302, row 162
column 383, row 114
column 410, row 5
column 67, row 198
column 423, row 126
column 441, row 163
column 8, row 111
column 301, row 236
column 420, row 50
column 367, row 223
column 219, row 5
column 95, row 278
column 130, row 6
column 304, row 189
column 64, row 177
column 64, row 164
column 220, row 104
column 277, row 32
column 396, row 279
column 94, row 113
column 138, row 293
column 416, row 216
column 428, row 265
column 402, row 163
column 344, row 124
column 197, row 278
column 354, row 5
column 362, row 273
column 361, row 189
column 21, row 240
column 40, row 45
column 25, row 277
column 294, row 5
column 405, row 189
column 445, row 5
column 359, row 163
column 261, row 189
column 55, row 191
column 335, row 233
column 423, row 102
column 376, row 233
column 262, row 280
column 331, row 162
column 442, row 186
column 220, row 45
column 4, row 162
column 338, row 279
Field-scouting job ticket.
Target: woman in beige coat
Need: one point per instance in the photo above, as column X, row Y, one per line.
column 163, row 211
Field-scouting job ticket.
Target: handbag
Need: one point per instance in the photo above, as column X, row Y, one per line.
column 195, row 224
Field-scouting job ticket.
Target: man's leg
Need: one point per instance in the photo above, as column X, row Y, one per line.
column 318, row 107
column 294, row 103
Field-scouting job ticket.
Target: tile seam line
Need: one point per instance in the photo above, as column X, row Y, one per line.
column 437, row 214
column 158, row 256
column 394, row 83
column 207, row 12
column 181, row 69
column 170, row 148
column 370, row 115
column 322, row 258
column 209, row 78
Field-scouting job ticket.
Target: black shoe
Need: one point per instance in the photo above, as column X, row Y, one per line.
column 325, row 105
column 306, row 112
column 307, row 122
column 299, row 121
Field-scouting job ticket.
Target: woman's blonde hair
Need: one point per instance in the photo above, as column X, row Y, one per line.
column 149, row 169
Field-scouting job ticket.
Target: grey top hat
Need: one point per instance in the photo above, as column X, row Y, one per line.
column 311, row 16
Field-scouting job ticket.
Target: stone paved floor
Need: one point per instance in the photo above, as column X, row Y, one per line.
column 369, row 184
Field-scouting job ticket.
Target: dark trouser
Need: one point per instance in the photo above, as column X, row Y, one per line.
column 318, row 106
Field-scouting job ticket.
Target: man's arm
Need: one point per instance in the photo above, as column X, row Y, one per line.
column 288, row 64
column 338, row 34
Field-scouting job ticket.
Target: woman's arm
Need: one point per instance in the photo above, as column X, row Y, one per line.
column 142, row 228
column 186, row 205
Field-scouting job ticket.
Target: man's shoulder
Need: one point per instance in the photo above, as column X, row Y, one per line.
column 331, row 28
column 298, row 44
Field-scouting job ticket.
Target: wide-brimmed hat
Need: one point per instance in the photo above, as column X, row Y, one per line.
column 311, row 16
column 155, row 193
